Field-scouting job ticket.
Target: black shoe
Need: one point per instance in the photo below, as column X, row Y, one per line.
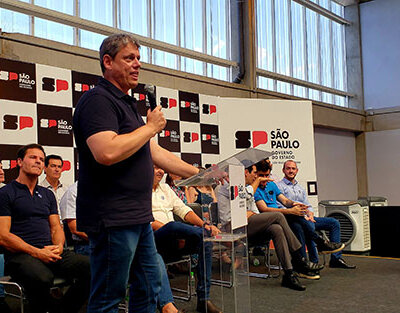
column 340, row 263
column 315, row 267
column 207, row 306
column 303, row 268
column 327, row 247
column 289, row 280
column 308, row 275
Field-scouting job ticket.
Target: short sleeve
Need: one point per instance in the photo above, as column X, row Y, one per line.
column 5, row 203
column 68, row 203
column 53, row 202
column 257, row 195
column 96, row 114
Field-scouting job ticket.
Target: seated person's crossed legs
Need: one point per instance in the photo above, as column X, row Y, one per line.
column 273, row 225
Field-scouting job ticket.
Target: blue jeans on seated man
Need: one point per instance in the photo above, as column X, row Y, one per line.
column 324, row 223
column 82, row 249
column 118, row 256
column 304, row 231
column 167, row 245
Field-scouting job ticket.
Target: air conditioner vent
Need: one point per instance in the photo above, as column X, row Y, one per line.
column 346, row 227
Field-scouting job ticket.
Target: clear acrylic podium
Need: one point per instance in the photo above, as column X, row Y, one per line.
column 230, row 280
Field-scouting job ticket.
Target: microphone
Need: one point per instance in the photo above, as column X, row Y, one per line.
column 151, row 96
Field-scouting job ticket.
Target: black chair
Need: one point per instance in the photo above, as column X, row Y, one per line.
column 19, row 293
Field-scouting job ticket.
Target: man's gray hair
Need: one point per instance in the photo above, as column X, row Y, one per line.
column 113, row 44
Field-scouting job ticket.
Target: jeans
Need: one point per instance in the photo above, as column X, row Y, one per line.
column 167, row 245
column 118, row 256
column 37, row 277
column 304, row 231
column 82, row 249
column 332, row 225
column 1, row 274
column 165, row 296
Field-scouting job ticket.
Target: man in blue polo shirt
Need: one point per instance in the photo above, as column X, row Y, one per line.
column 116, row 159
column 292, row 190
column 266, row 198
column 31, row 233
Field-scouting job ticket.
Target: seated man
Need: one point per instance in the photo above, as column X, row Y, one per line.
column 293, row 191
column 68, row 216
column 31, row 233
column 266, row 198
column 174, row 239
column 269, row 225
column 53, row 165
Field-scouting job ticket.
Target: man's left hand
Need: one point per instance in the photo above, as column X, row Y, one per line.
column 212, row 229
column 57, row 249
column 310, row 216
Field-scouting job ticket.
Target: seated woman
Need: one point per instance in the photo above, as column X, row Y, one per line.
column 181, row 192
column 202, row 195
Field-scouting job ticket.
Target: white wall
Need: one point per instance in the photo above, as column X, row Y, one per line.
column 335, row 155
column 380, row 29
column 383, row 156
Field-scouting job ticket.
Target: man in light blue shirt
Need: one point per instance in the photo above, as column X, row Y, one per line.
column 291, row 189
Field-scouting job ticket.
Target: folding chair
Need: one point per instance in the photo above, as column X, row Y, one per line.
column 19, row 290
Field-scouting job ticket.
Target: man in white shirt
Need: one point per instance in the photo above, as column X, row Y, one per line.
column 174, row 239
column 53, row 169
column 68, row 216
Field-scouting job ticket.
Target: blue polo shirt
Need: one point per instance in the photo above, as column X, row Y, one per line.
column 29, row 213
column 268, row 194
column 120, row 194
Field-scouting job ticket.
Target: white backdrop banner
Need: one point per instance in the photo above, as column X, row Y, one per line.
column 282, row 127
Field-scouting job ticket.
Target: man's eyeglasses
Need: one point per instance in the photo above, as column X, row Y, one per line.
column 263, row 175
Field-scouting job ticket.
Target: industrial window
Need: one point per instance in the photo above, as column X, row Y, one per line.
column 301, row 49
column 202, row 26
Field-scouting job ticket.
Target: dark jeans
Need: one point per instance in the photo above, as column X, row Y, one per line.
column 37, row 278
column 119, row 255
column 82, row 249
column 167, row 245
column 304, row 231
column 330, row 224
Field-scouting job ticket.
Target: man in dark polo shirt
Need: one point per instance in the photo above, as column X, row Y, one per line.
column 31, row 233
column 116, row 159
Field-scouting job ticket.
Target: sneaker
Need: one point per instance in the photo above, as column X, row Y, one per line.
column 300, row 265
column 327, row 247
column 308, row 275
column 289, row 280
column 315, row 267
column 340, row 263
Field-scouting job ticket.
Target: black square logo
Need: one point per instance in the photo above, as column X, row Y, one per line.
column 8, row 159
column 82, row 82
column 209, row 139
column 169, row 138
column 17, row 81
column 54, row 125
column 189, row 110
